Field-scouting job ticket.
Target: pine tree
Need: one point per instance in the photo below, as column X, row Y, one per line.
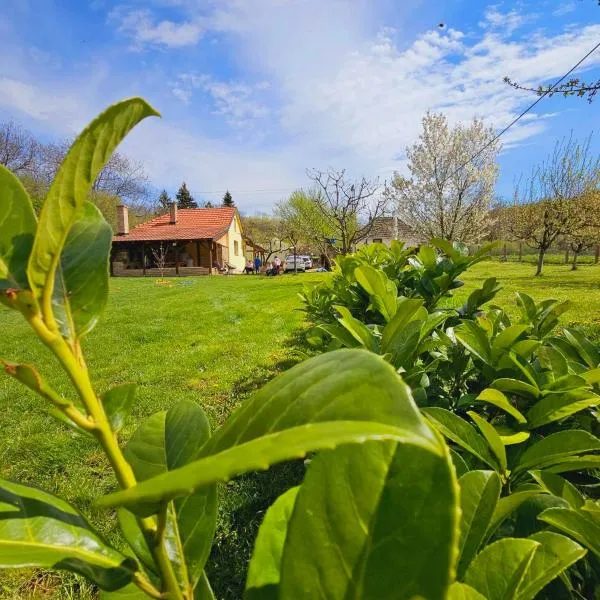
column 184, row 198
column 208, row 204
column 228, row 200
column 163, row 202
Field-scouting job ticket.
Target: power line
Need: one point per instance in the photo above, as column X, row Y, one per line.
column 515, row 120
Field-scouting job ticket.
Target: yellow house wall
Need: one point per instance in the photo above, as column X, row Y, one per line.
column 235, row 235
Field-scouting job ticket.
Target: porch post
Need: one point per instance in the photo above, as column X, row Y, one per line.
column 144, row 259
column 198, row 253
column 210, row 256
column 176, row 247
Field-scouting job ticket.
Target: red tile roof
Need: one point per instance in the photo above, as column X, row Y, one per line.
column 192, row 224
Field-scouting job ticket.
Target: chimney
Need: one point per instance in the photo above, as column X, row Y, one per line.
column 173, row 213
column 122, row 220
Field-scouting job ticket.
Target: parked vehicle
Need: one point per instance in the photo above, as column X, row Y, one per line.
column 308, row 261
column 294, row 263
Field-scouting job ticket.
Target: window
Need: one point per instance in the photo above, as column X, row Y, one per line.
column 236, row 247
column 377, row 241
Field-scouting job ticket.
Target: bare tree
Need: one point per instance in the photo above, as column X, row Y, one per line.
column 348, row 207
column 18, row 148
column 544, row 207
column 267, row 232
column 160, row 257
column 453, row 173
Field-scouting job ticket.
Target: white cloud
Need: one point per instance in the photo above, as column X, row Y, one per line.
column 564, row 9
column 234, row 101
column 507, row 22
column 143, row 30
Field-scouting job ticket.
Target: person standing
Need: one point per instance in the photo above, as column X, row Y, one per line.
column 276, row 265
column 257, row 264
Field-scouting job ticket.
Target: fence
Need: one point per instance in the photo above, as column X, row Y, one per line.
column 519, row 252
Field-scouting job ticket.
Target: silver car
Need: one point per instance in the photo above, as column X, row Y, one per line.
column 294, row 263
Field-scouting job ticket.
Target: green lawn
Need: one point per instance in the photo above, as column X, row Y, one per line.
column 212, row 340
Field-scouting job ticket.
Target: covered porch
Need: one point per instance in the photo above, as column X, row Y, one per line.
column 156, row 258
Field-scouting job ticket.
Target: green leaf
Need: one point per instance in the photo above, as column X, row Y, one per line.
column 68, row 193
column 258, row 454
column 515, row 386
column 340, row 385
column 462, row 591
column 81, row 288
column 506, row 338
column 556, row 554
column 559, row 486
column 592, row 376
column 162, row 444
column 506, row 506
column 17, row 231
column 575, row 463
column 510, row 437
column 553, row 360
column 117, row 404
column 382, row 291
column 584, row 347
column 498, row 570
column 555, row 407
column 359, row 528
column 497, row 398
column 427, row 255
column 264, row 570
column 48, row 532
column 556, row 446
column 460, row 465
column 460, row 432
column 474, row 339
column 527, row 306
column 356, row 328
column 407, row 311
column 129, row 592
column 492, row 437
column 447, row 248
column 341, row 334
column 479, row 494
column 576, row 525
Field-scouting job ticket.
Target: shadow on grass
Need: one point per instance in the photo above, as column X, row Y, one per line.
column 244, row 501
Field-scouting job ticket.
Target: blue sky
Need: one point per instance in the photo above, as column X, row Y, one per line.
column 253, row 92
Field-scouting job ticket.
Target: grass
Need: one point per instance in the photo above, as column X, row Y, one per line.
column 211, row 340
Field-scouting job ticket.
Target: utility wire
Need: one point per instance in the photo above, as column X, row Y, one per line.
column 516, row 119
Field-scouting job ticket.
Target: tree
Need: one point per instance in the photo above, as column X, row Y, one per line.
column 228, row 200
column 160, row 258
column 184, row 198
column 267, row 232
column 349, row 208
column 452, row 180
column 573, row 87
column 585, row 230
column 300, row 215
column 208, row 204
column 18, row 149
column 164, row 200
column 544, row 207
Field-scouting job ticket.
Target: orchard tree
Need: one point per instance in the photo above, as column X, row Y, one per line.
column 452, row 176
column 184, row 198
column 545, row 205
column 348, row 207
column 585, row 231
column 18, row 148
column 228, row 200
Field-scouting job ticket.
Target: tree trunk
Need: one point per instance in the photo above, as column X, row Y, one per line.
column 574, row 265
column 520, row 251
column 567, row 256
column 540, row 262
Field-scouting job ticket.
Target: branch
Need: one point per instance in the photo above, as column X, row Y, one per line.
column 573, row 87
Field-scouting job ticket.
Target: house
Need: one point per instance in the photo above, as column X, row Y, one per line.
column 191, row 241
column 386, row 229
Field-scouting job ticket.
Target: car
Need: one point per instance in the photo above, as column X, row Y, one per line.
column 294, row 263
column 308, row 261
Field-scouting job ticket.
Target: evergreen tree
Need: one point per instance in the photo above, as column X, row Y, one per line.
column 163, row 202
column 208, row 204
column 184, row 198
column 228, row 200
